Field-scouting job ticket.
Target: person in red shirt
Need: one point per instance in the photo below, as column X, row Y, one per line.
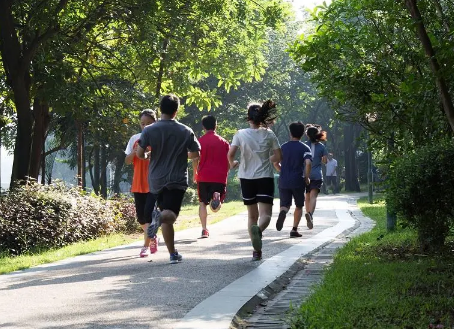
column 143, row 199
column 210, row 171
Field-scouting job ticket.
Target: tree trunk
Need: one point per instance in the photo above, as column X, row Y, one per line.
column 80, row 156
column 17, row 58
column 120, row 159
column 42, row 120
column 22, row 150
column 441, row 15
column 434, row 65
column 351, row 168
column 103, row 171
column 96, row 169
column 43, row 166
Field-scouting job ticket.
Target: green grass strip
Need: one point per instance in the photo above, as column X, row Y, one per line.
column 10, row 264
column 188, row 218
column 382, row 280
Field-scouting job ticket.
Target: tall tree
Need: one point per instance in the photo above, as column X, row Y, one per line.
column 366, row 60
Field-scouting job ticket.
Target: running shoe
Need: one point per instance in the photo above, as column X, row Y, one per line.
column 256, row 238
column 175, row 258
column 143, row 252
column 215, row 203
column 154, row 245
column 155, row 224
column 256, row 255
column 280, row 220
column 309, row 220
column 295, row 234
column 205, row 233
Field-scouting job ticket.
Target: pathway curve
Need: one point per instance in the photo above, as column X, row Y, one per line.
column 116, row 289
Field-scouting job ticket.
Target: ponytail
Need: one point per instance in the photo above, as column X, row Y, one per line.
column 315, row 133
column 262, row 115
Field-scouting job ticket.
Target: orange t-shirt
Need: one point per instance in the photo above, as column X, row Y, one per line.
column 140, row 176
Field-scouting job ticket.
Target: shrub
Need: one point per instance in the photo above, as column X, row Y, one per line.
column 421, row 190
column 125, row 207
column 233, row 189
column 191, row 197
column 36, row 217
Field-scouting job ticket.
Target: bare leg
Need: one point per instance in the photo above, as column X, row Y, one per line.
column 253, row 216
column 146, row 239
column 298, row 213
column 260, row 214
column 265, row 210
column 310, row 206
column 168, row 218
column 307, row 202
column 203, row 214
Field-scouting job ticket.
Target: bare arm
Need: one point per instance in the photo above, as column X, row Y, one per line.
column 130, row 157
column 193, row 155
column 277, row 156
column 231, row 156
column 324, row 159
column 195, row 166
column 277, row 166
column 140, row 152
column 307, row 171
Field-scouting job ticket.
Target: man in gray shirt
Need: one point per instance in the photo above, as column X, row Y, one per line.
column 172, row 144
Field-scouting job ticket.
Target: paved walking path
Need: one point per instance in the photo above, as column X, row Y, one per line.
column 216, row 281
column 296, row 286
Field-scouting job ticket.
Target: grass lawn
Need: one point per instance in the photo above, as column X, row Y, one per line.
column 383, row 280
column 188, row 218
column 189, row 215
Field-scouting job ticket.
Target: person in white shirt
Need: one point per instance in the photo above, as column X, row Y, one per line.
column 256, row 174
column 331, row 173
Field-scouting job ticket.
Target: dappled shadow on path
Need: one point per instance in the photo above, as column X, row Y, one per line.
column 119, row 290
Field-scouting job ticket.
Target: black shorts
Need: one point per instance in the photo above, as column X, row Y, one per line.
column 257, row 190
column 144, row 206
column 286, row 195
column 170, row 200
column 206, row 190
column 315, row 184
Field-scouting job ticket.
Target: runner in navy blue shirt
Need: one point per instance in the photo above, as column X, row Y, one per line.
column 294, row 169
column 319, row 153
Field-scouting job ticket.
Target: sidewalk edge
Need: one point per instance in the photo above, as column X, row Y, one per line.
column 281, row 282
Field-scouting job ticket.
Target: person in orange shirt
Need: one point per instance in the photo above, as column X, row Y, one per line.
column 143, row 199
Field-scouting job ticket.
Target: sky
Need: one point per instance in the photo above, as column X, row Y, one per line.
column 301, row 5
column 298, row 4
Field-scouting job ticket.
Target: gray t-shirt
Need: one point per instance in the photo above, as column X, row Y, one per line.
column 170, row 142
